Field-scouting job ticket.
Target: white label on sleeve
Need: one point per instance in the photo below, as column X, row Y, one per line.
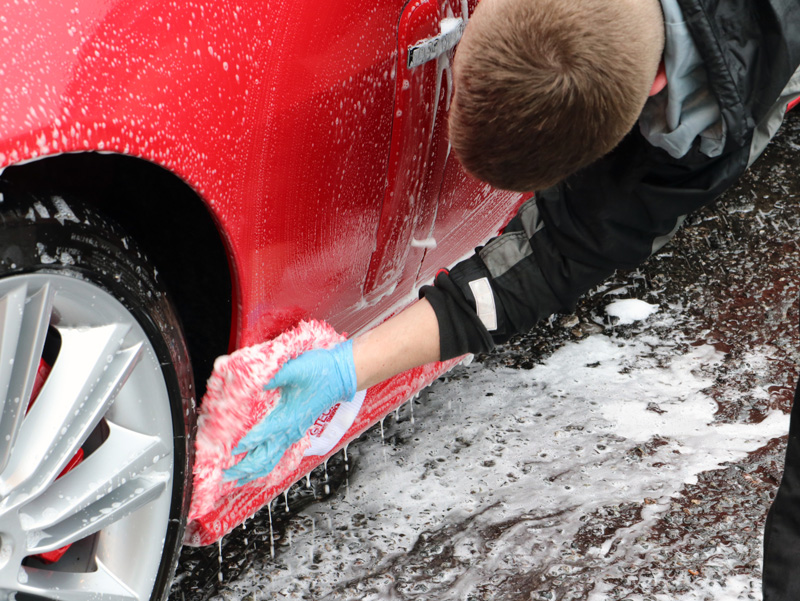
column 484, row 302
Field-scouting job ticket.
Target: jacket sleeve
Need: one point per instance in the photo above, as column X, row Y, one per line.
column 612, row 215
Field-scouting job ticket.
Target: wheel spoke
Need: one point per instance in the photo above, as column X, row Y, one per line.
column 114, row 506
column 85, row 380
column 25, row 320
column 101, row 400
column 100, row 585
column 123, row 456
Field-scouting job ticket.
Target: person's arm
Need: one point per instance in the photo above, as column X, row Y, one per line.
column 612, row 215
column 407, row 340
column 316, row 380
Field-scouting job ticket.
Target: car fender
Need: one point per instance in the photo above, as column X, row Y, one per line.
column 270, row 112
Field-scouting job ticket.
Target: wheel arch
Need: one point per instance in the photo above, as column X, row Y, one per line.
column 168, row 220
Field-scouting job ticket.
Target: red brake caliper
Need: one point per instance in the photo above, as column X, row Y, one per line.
column 41, row 376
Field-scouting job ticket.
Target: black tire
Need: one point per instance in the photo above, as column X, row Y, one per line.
column 70, row 250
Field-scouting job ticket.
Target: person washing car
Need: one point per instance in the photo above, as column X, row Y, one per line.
column 623, row 116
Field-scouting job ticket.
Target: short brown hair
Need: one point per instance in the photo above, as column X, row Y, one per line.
column 546, row 87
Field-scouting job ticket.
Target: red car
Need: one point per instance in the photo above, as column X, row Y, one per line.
column 181, row 179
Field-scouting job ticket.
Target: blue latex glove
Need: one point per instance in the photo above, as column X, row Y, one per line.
column 311, row 384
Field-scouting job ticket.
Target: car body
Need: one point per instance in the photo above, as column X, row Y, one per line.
column 262, row 162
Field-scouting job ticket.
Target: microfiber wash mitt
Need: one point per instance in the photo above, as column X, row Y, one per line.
column 234, row 402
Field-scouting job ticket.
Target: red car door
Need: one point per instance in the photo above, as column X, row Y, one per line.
column 427, row 33
column 433, row 212
column 469, row 211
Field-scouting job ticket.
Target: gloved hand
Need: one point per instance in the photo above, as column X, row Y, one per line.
column 310, row 384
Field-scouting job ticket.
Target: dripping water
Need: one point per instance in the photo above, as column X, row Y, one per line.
column 313, row 540
column 271, row 536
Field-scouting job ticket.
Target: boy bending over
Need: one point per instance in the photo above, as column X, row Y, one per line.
column 624, row 116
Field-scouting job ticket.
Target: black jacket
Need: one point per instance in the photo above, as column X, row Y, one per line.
column 616, row 212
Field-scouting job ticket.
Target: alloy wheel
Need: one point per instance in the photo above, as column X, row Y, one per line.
column 86, row 447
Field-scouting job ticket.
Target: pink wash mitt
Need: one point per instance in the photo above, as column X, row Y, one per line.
column 234, row 402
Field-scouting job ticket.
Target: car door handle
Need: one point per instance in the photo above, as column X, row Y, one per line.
column 426, row 50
